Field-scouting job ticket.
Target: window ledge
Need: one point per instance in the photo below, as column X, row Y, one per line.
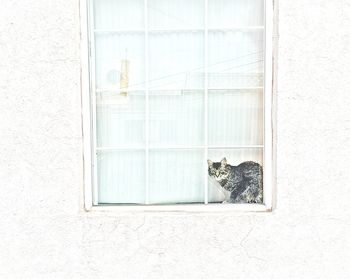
column 195, row 208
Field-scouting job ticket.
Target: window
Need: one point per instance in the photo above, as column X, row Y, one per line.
column 173, row 83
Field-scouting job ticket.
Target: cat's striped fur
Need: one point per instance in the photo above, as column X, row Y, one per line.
column 244, row 182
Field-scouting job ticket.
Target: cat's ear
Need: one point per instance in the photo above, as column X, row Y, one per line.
column 210, row 162
column 224, row 161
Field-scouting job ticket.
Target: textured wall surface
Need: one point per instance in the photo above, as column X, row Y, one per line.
column 45, row 233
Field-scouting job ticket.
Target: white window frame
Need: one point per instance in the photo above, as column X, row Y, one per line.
column 88, row 118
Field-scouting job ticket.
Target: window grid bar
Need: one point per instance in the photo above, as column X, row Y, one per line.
column 205, row 171
column 146, row 103
column 178, row 147
column 112, row 90
column 220, row 29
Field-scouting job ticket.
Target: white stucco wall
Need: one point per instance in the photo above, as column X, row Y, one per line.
column 44, row 232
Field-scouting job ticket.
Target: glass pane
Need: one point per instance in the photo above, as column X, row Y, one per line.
column 120, row 119
column 228, row 13
column 176, row 118
column 234, row 157
column 176, row 60
column 176, row 14
column 176, row 176
column 235, row 59
column 121, row 176
column 176, row 78
column 235, row 117
column 119, row 14
column 113, row 51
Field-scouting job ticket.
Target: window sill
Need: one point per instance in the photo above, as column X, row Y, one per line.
column 189, row 208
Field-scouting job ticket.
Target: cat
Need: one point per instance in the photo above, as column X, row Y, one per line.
column 244, row 182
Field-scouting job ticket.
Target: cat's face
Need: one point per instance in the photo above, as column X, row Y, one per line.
column 219, row 171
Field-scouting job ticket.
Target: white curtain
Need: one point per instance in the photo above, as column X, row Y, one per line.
column 176, row 90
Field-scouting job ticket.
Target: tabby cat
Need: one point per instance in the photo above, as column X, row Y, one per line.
column 244, row 182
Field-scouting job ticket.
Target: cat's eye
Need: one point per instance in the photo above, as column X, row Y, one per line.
column 172, row 84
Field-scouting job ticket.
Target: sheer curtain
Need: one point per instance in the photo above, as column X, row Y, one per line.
column 150, row 136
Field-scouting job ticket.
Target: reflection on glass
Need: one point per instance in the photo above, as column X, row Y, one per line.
column 235, row 59
column 176, row 60
column 114, row 49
